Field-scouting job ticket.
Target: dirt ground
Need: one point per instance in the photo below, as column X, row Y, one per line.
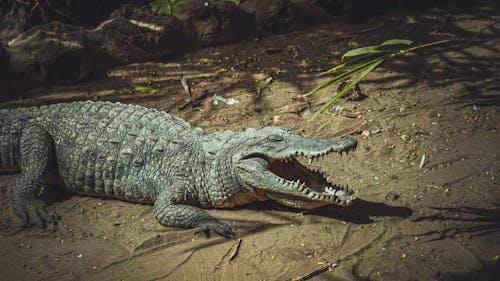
column 438, row 222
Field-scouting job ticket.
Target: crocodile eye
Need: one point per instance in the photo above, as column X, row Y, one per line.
column 275, row 138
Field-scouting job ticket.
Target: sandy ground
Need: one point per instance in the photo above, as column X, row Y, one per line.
column 439, row 222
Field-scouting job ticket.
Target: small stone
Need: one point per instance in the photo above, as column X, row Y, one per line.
column 365, row 133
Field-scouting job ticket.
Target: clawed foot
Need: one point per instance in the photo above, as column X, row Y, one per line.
column 223, row 229
column 35, row 212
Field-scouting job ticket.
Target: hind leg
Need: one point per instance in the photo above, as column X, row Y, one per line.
column 35, row 147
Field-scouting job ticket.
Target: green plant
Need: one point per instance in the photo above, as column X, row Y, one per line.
column 145, row 89
column 170, row 7
column 360, row 62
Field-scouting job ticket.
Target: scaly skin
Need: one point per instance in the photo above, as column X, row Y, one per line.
column 144, row 155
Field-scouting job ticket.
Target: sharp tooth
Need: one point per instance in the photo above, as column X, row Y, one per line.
column 302, row 186
column 322, row 197
column 305, row 191
column 310, row 160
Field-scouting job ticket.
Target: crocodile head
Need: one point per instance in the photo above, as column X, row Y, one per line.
column 266, row 162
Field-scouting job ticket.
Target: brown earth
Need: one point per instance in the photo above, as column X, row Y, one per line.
column 440, row 222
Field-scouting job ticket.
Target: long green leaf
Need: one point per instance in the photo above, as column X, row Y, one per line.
column 145, row 89
column 428, row 45
column 355, row 62
column 361, row 51
column 367, row 58
column 347, row 87
column 337, row 79
column 397, row 42
column 344, row 76
column 386, row 47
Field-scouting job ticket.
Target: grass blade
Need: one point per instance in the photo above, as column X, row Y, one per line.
column 145, row 89
column 362, row 51
column 397, row 42
column 355, row 62
column 346, row 75
column 367, row 58
column 336, row 79
column 348, row 87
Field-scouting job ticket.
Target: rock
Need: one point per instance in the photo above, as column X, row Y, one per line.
column 50, row 54
column 63, row 54
column 155, row 34
column 274, row 16
column 17, row 16
column 216, row 22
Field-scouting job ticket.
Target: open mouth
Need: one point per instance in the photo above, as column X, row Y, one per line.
column 312, row 184
column 286, row 180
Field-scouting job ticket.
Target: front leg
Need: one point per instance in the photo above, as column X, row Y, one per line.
column 35, row 147
column 170, row 211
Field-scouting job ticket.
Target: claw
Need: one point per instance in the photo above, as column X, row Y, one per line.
column 218, row 227
column 35, row 212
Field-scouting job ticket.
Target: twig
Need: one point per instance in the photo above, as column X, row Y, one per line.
column 234, row 250
column 434, row 186
column 231, row 253
column 186, row 85
column 422, row 162
column 259, row 91
column 13, row 8
column 479, row 33
column 196, row 100
column 356, row 33
column 368, row 29
column 312, row 274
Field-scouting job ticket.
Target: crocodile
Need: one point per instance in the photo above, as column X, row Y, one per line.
column 144, row 155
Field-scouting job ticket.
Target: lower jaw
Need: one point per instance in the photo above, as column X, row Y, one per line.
column 302, row 204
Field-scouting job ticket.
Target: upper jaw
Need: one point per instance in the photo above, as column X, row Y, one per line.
column 313, row 148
